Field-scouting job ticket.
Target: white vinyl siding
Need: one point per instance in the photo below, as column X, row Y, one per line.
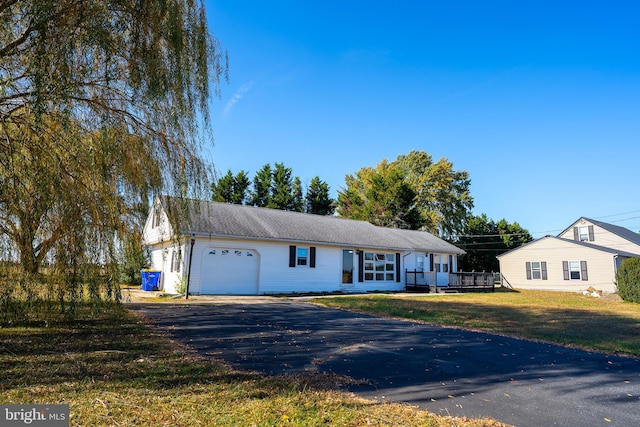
column 163, row 257
column 274, row 274
column 157, row 228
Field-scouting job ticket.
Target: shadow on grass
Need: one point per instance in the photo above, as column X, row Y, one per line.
column 587, row 328
column 108, row 346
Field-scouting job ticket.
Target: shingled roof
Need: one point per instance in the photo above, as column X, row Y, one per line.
column 625, row 233
column 238, row 221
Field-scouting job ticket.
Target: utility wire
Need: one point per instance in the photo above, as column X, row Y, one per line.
column 550, row 231
column 624, row 213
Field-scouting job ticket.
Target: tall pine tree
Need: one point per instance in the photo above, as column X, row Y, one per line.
column 318, row 201
column 281, row 188
column 261, row 195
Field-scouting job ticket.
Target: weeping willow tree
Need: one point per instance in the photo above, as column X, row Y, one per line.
column 103, row 104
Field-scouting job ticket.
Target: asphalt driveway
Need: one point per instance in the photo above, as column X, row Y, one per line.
column 444, row 370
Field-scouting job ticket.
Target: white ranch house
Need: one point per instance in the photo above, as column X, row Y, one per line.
column 586, row 254
column 244, row 250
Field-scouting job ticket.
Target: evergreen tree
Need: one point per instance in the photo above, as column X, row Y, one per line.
column 241, row 185
column 223, row 189
column 297, row 198
column 281, row 188
column 317, row 200
column 261, row 196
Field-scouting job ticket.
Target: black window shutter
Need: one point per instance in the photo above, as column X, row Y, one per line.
column 544, row 270
column 430, row 262
column 360, row 266
column 528, row 267
column 591, row 234
column 583, row 270
column 312, row 257
column 292, row 256
column 565, row 270
column 576, row 236
column 450, row 263
column 398, row 267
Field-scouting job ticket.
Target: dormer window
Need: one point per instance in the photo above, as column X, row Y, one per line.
column 583, row 233
column 156, row 218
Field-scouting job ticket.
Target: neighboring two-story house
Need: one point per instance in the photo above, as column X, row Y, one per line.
column 586, row 254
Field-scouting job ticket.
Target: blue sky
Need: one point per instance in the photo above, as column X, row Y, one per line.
column 538, row 101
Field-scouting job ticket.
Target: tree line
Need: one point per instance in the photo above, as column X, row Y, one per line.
column 276, row 188
column 483, row 239
column 412, row 192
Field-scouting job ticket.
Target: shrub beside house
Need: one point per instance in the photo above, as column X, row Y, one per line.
column 628, row 280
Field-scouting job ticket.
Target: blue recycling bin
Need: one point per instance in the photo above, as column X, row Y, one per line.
column 150, row 280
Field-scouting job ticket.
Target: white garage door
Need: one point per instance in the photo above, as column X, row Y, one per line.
column 229, row 272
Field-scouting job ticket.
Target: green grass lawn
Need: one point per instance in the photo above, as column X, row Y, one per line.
column 566, row 318
column 112, row 370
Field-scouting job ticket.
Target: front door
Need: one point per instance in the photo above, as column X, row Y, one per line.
column 441, row 265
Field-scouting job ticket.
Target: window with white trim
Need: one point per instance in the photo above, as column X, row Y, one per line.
column 583, row 233
column 155, row 221
column 574, row 270
column 302, row 256
column 441, row 263
column 536, row 270
column 176, row 260
column 379, row 266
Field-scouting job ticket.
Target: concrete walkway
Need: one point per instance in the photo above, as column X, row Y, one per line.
column 447, row 371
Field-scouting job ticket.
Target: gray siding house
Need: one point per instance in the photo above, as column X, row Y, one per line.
column 244, row 250
column 586, row 254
